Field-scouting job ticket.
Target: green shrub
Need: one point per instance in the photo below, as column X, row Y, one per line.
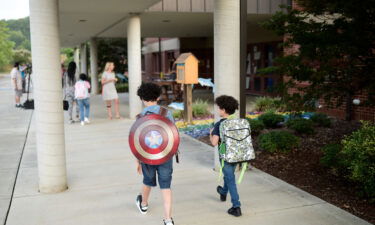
column 278, row 141
column 321, row 119
column 264, row 103
column 300, row 125
column 122, row 87
column 256, row 126
column 359, row 156
column 270, row 119
column 200, row 108
column 177, row 114
column 333, row 157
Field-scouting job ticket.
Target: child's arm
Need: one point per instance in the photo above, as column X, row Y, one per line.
column 139, row 167
column 214, row 139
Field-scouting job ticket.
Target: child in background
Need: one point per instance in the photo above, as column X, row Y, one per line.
column 227, row 106
column 83, row 98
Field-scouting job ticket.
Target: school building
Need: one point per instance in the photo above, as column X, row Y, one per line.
column 225, row 36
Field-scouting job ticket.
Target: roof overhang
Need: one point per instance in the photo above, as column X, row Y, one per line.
column 82, row 19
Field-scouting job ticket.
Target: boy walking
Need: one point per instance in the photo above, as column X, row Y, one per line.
column 227, row 106
column 149, row 94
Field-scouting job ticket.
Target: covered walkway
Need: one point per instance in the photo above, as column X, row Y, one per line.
column 103, row 184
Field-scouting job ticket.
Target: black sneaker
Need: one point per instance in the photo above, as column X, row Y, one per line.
column 141, row 208
column 223, row 198
column 235, row 211
column 168, row 222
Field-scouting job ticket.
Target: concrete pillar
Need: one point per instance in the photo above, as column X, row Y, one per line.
column 49, row 117
column 83, row 58
column 76, row 59
column 94, row 66
column 135, row 69
column 226, row 51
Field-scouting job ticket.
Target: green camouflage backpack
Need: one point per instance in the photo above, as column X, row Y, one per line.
column 236, row 145
column 235, row 135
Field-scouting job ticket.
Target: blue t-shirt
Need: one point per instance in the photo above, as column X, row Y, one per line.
column 156, row 109
column 216, row 130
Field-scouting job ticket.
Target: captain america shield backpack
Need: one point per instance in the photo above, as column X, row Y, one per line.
column 153, row 138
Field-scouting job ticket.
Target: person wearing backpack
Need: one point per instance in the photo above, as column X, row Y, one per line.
column 83, row 98
column 149, row 94
column 234, row 140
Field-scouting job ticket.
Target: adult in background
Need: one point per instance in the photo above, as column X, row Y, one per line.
column 109, row 91
column 69, row 82
column 16, row 79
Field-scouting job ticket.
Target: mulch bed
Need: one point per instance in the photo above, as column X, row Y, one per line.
column 301, row 168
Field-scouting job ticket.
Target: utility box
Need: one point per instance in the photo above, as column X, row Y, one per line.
column 187, row 69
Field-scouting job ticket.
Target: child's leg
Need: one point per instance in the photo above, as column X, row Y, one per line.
column 149, row 180
column 230, row 183
column 146, row 190
column 87, row 108
column 165, row 171
column 81, row 109
column 167, row 197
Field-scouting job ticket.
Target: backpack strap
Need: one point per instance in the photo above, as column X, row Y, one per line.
column 244, row 167
column 163, row 111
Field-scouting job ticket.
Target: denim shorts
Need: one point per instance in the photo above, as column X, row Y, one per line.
column 164, row 172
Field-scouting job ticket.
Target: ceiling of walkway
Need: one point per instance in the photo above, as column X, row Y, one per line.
column 177, row 24
column 80, row 20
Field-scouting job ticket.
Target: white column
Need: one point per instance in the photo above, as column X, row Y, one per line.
column 83, row 58
column 94, row 66
column 49, row 117
column 76, row 59
column 226, row 51
column 135, row 69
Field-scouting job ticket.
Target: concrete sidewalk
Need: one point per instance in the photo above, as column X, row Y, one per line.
column 14, row 124
column 103, row 184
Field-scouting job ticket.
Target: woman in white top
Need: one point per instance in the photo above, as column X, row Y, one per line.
column 109, row 91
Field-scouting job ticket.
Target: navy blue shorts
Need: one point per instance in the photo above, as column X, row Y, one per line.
column 164, row 172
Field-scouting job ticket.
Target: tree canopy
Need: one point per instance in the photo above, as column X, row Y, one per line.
column 6, row 46
column 19, row 32
column 334, row 49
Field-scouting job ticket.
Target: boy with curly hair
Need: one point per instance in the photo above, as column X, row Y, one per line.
column 149, row 93
column 227, row 105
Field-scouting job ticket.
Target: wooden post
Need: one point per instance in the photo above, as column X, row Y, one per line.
column 188, row 103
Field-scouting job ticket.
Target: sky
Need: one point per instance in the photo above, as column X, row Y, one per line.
column 14, row 9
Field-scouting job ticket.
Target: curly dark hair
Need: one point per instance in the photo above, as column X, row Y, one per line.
column 228, row 103
column 149, row 92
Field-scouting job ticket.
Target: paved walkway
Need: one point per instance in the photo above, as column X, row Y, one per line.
column 103, row 183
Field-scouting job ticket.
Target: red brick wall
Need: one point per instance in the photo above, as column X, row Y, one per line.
column 360, row 112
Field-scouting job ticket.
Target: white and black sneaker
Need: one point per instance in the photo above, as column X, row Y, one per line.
column 141, row 208
column 168, row 222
